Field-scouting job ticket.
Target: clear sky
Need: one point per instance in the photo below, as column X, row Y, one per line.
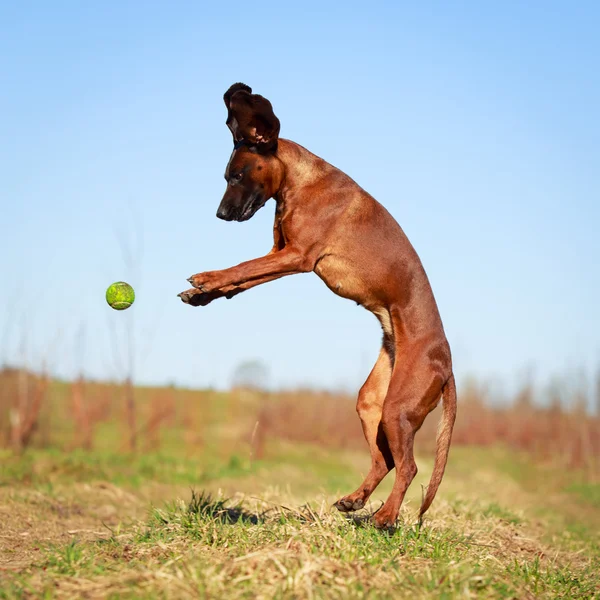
column 477, row 126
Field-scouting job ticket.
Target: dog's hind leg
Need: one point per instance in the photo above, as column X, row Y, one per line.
column 369, row 407
column 415, row 389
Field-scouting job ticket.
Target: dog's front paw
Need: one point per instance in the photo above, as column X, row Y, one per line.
column 205, row 282
column 196, row 297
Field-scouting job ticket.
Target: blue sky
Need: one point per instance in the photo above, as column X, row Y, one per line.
column 477, row 126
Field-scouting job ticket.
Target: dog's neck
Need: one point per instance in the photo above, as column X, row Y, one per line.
column 301, row 167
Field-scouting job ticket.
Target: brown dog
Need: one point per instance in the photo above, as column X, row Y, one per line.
column 324, row 222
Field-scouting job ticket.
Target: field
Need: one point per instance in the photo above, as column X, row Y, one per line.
column 211, row 505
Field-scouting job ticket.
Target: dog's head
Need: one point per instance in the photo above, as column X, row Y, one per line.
column 253, row 173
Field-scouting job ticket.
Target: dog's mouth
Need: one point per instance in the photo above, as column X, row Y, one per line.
column 230, row 213
column 255, row 202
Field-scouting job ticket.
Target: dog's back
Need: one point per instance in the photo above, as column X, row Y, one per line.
column 363, row 253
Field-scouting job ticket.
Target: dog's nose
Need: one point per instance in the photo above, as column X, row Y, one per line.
column 222, row 213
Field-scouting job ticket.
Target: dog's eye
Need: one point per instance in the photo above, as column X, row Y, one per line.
column 238, row 176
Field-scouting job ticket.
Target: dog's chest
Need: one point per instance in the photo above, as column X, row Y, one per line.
column 342, row 277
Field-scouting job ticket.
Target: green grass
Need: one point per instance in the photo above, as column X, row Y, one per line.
column 37, row 467
column 40, row 468
column 586, row 492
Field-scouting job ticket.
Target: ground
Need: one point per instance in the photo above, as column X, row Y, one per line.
column 97, row 525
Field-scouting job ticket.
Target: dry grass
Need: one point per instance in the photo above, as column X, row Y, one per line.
column 93, row 540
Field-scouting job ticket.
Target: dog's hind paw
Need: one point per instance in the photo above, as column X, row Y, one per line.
column 349, row 505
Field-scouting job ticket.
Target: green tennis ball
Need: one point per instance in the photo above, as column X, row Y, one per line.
column 120, row 295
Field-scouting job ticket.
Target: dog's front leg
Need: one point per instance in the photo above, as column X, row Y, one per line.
column 285, row 262
column 197, row 298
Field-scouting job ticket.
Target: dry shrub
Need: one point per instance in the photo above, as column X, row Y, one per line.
column 550, row 433
column 23, row 396
column 162, row 413
column 39, row 412
column 193, row 422
column 327, row 419
column 81, row 414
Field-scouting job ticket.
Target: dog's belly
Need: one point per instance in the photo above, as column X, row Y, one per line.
column 345, row 280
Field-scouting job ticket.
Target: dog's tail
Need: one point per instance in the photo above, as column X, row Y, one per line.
column 444, row 435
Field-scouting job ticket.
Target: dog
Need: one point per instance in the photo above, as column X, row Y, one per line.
column 327, row 224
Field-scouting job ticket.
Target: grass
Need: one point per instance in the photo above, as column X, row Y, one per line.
column 586, row 491
column 195, row 514
column 100, row 525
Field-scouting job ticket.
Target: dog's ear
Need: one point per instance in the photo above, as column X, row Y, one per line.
column 251, row 118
